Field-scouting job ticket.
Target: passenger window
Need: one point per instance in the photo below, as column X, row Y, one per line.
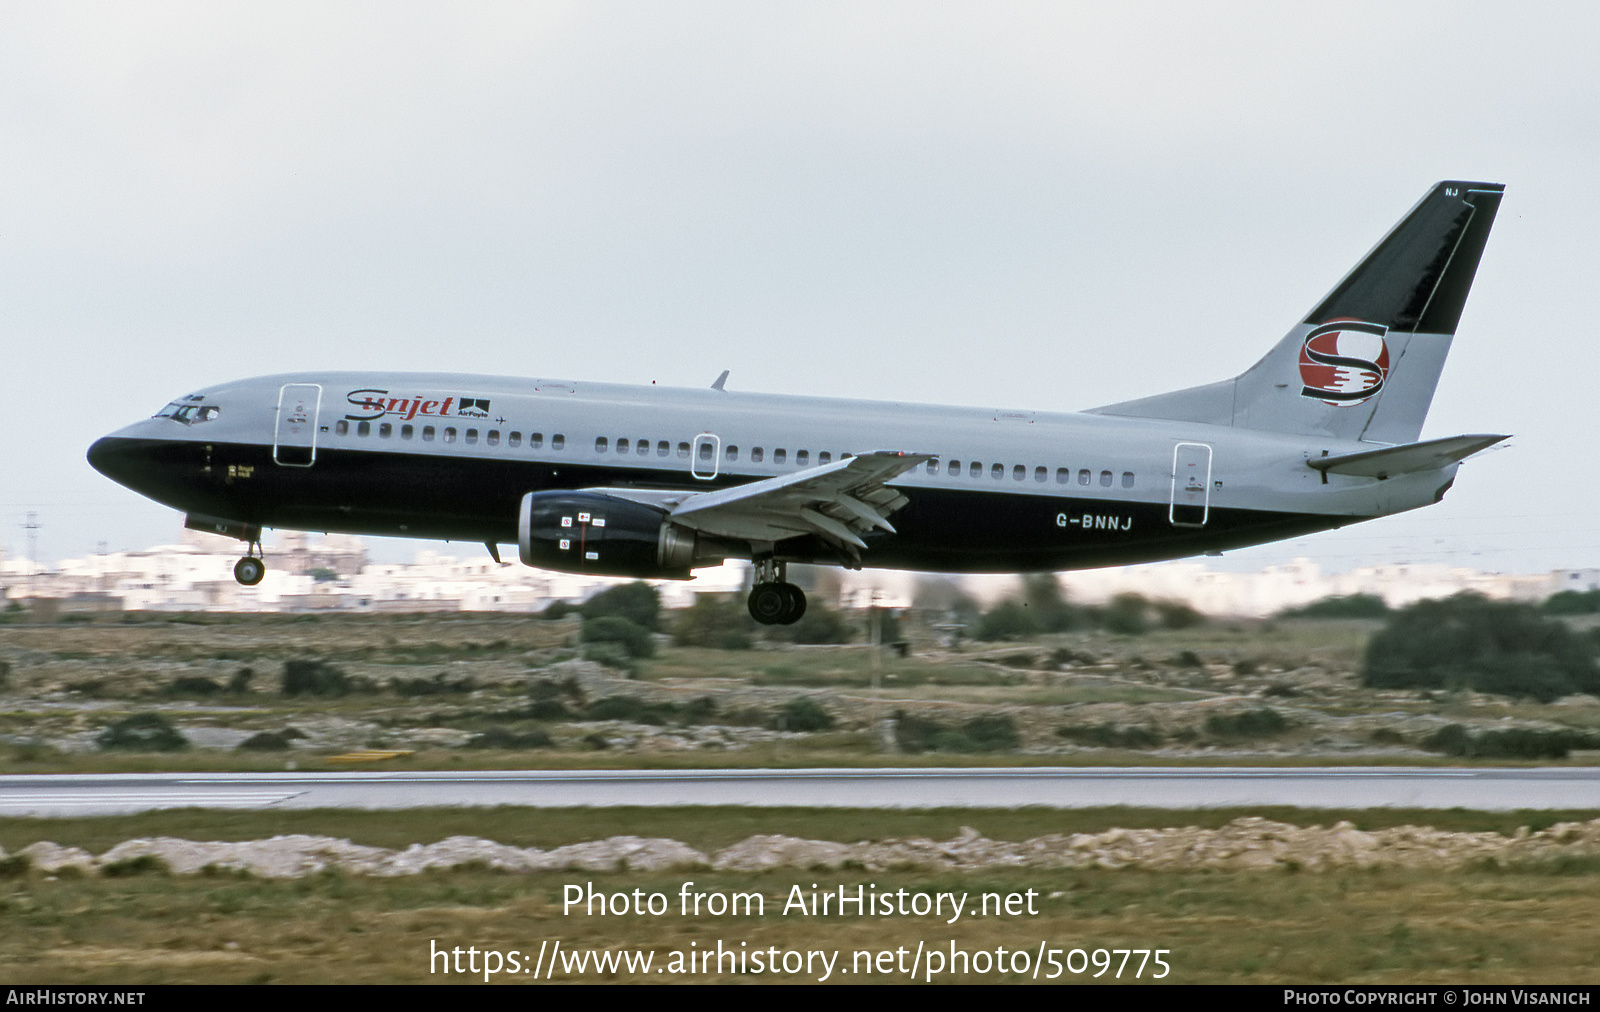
column 406, row 431
column 341, row 427
column 427, row 433
column 558, row 442
column 1105, row 479
column 683, row 451
column 1041, row 473
column 472, row 437
column 385, row 430
column 778, row 456
column 802, row 458
column 705, row 451
column 514, row 440
column 535, row 440
column 663, row 448
column 975, row 470
column 449, row 433
column 600, row 443
column 364, row 429
column 954, row 470
column 997, row 471
column 493, row 437
column 733, row 453
column 622, row 446
column 933, row 467
column 825, row 457
column 1127, row 479
column 1019, row 472
column 1083, row 476
column 1063, row 475
column 756, row 455
column 643, row 447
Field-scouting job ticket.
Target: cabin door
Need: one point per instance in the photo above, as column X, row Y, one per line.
column 295, row 440
column 1191, row 485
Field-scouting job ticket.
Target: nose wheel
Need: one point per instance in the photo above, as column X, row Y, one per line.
column 250, row 569
column 773, row 600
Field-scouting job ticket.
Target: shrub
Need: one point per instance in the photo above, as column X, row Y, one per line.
column 558, row 609
column 1051, row 611
column 612, row 655
column 1512, row 743
column 1468, row 641
column 632, row 637
column 820, row 624
column 803, row 714
column 637, row 602
column 1177, row 615
column 631, row 709
column 992, row 733
column 189, row 685
column 1341, row 606
column 1260, row 723
column 143, row 732
column 144, row 864
column 314, row 678
column 981, row 734
column 549, row 709
column 714, row 620
column 265, row 741
column 1572, row 602
column 1008, row 620
column 542, row 689
column 438, row 685
column 1128, row 614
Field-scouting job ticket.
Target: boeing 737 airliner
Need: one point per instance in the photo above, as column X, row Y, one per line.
column 653, row 482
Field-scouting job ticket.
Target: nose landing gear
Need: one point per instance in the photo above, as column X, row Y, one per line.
column 250, row 569
column 773, row 600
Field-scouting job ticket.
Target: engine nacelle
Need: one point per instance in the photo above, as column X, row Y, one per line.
column 588, row 532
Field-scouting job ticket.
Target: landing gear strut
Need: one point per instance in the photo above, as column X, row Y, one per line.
column 773, row 600
column 250, row 569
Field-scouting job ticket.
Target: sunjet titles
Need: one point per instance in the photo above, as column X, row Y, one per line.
column 372, row 404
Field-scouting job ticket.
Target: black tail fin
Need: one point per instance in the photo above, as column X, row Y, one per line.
column 1364, row 363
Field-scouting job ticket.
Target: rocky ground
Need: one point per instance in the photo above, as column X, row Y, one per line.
column 457, row 684
column 1247, row 844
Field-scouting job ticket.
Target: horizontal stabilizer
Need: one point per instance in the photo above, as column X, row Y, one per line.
column 1392, row 460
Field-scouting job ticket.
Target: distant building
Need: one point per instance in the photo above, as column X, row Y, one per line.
column 323, row 573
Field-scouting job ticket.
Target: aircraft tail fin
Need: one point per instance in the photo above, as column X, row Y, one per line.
column 1364, row 363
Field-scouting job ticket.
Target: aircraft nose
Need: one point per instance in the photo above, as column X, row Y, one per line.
column 120, row 459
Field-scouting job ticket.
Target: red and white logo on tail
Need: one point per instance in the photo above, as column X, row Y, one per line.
column 1344, row 362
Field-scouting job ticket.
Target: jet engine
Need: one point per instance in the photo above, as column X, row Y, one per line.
column 604, row 535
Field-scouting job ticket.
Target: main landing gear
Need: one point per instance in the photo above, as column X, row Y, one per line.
column 250, row 569
column 773, row 600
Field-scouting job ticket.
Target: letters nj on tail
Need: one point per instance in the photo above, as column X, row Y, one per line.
column 1364, row 363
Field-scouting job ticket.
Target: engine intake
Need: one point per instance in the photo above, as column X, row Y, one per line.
column 603, row 535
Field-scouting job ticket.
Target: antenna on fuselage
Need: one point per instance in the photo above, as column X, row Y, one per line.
column 720, row 380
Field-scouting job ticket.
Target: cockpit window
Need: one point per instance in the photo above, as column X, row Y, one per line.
column 191, row 410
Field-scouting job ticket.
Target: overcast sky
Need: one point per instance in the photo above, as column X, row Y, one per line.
column 1046, row 206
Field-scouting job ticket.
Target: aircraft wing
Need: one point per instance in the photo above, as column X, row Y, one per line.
column 838, row 502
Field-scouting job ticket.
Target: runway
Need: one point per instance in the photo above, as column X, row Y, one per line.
column 1053, row 787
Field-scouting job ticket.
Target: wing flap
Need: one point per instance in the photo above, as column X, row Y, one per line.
column 839, row 502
